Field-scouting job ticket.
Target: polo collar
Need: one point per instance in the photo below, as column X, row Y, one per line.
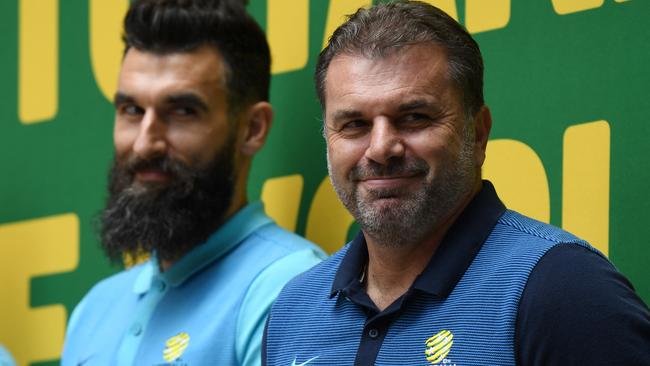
column 352, row 265
column 237, row 228
column 456, row 252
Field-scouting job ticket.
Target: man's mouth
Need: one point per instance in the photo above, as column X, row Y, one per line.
column 388, row 181
column 155, row 176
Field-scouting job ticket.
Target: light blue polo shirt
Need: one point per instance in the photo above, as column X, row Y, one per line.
column 209, row 308
column 5, row 358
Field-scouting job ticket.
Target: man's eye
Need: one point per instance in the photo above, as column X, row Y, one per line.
column 353, row 129
column 416, row 117
column 415, row 121
column 131, row 110
column 185, row 111
column 354, row 125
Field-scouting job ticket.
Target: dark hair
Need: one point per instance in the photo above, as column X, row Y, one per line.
column 167, row 26
column 389, row 27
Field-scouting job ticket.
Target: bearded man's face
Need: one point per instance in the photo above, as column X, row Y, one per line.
column 173, row 177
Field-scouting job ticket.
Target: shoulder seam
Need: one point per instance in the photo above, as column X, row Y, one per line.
column 525, row 230
column 270, row 238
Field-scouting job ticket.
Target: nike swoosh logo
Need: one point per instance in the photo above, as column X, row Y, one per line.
column 304, row 363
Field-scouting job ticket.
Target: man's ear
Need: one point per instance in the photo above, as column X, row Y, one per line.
column 482, row 127
column 256, row 125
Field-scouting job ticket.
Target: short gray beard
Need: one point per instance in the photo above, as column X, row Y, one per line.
column 424, row 211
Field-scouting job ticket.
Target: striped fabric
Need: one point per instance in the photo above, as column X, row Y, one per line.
column 474, row 325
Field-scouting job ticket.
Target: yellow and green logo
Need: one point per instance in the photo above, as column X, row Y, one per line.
column 175, row 346
column 438, row 346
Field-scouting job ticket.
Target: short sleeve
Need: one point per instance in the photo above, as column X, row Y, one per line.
column 259, row 298
column 577, row 309
column 5, row 358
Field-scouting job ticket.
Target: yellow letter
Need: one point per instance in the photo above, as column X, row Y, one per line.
column 448, row 6
column 328, row 221
column 337, row 13
column 29, row 249
column 585, row 183
column 485, row 15
column 563, row 7
column 38, row 80
column 519, row 176
column 281, row 197
column 105, row 43
column 288, row 34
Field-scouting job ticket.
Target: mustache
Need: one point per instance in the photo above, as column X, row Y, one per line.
column 393, row 168
column 162, row 164
column 122, row 175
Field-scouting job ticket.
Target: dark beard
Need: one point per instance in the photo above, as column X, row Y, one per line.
column 170, row 219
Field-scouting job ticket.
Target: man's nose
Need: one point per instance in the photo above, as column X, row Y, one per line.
column 385, row 141
column 152, row 137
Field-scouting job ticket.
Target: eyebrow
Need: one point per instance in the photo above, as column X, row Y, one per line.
column 121, row 98
column 416, row 104
column 188, row 99
column 346, row 114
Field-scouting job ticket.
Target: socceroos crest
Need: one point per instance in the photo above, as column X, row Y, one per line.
column 175, row 346
column 438, row 347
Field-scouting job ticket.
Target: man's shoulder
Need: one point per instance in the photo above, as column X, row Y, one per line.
column 108, row 291
column 281, row 240
column 101, row 299
column 519, row 239
column 515, row 222
column 271, row 255
column 572, row 299
column 317, row 279
column 118, row 282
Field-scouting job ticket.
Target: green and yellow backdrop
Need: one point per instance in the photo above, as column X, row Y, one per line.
column 567, row 81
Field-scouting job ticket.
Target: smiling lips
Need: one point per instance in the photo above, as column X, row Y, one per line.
column 387, row 182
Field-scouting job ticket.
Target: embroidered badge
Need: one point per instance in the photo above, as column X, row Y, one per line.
column 175, row 346
column 438, row 347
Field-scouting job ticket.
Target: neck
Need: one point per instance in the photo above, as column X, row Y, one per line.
column 392, row 270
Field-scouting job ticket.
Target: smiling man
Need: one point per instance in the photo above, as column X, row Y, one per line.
column 191, row 111
column 441, row 272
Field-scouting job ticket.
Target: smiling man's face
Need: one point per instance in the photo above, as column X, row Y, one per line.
column 400, row 154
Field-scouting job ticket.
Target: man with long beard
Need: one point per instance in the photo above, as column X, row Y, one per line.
column 441, row 273
column 191, row 111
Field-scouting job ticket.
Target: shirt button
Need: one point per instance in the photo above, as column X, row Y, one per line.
column 136, row 329
column 373, row 333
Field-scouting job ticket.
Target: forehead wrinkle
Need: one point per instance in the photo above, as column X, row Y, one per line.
column 361, row 80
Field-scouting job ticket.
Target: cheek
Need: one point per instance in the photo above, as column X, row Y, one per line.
column 123, row 139
column 479, row 155
column 343, row 155
column 437, row 154
column 193, row 147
